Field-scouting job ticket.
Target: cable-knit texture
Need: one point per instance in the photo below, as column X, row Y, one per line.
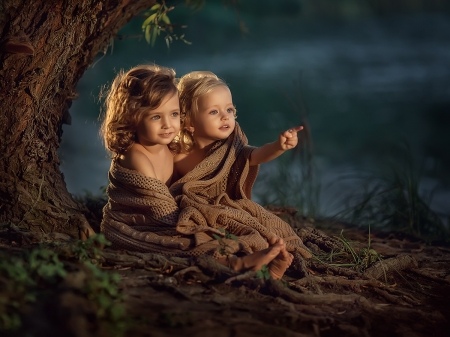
column 144, row 215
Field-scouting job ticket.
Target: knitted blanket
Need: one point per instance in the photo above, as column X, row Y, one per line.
column 210, row 201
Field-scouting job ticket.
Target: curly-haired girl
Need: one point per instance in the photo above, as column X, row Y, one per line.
column 142, row 118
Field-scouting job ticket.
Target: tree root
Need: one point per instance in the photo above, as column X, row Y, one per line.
column 334, row 270
column 277, row 288
column 423, row 273
column 149, row 279
column 195, row 272
column 337, row 281
column 405, row 296
column 212, row 268
column 298, row 267
column 385, row 267
column 241, row 277
column 391, row 298
column 313, row 238
column 149, row 261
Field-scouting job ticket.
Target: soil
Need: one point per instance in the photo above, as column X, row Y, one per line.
column 409, row 302
column 197, row 297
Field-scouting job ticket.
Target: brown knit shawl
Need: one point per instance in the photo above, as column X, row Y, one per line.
column 143, row 215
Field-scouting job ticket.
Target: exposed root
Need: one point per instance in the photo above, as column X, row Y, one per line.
column 298, row 266
column 334, row 281
column 195, row 272
column 249, row 275
column 405, row 296
column 334, row 270
column 313, row 238
column 277, row 288
column 212, row 268
column 391, row 298
column 423, row 272
column 384, row 267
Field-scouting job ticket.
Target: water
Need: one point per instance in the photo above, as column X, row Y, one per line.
column 368, row 86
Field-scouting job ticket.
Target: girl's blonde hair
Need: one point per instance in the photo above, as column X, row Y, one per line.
column 132, row 93
column 190, row 87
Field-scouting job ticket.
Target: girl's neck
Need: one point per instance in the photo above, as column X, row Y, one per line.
column 202, row 146
column 154, row 149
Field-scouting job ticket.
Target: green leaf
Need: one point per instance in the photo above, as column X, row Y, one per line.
column 264, row 273
column 148, row 30
column 155, row 7
column 154, row 34
column 166, row 19
column 147, row 21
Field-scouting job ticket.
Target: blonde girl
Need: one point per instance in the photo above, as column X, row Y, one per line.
column 208, row 115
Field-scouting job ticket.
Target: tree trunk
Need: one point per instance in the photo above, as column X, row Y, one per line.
column 45, row 47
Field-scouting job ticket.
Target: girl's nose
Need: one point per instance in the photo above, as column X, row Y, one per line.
column 166, row 123
column 224, row 115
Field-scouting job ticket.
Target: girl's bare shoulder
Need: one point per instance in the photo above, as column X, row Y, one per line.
column 136, row 159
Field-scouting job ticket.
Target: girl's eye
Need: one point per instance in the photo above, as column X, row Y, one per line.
column 154, row 118
column 175, row 114
column 214, row 112
column 230, row 110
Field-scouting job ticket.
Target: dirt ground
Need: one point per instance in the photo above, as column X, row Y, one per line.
column 407, row 296
column 410, row 300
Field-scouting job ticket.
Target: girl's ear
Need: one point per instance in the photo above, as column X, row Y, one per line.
column 189, row 128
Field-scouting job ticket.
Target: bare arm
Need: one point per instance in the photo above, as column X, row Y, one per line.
column 184, row 163
column 286, row 140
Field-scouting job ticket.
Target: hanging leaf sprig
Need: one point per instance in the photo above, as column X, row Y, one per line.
column 158, row 21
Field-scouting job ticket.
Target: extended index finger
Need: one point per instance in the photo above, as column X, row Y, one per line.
column 296, row 129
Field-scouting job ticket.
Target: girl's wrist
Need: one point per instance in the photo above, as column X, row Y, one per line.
column 279, row 147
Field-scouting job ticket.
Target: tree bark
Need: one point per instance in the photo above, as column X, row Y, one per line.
column 45, row 47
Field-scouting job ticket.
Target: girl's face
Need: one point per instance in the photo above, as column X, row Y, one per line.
column 215, row 116
column 161, row 125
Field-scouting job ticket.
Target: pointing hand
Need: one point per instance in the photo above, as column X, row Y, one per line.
column 288, row 139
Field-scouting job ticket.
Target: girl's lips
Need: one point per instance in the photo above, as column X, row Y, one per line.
column 224, row 127
column 166, row 135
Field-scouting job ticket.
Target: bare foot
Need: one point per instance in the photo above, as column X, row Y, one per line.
column 256, row 260
column 278, row 266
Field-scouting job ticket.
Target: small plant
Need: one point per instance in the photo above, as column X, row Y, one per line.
column 82, row 249
column 103, row 290
column 21, row 278
column 32, row 276
column 363, row 258
column 351, row 255
column 223, row 246
column 264, row 273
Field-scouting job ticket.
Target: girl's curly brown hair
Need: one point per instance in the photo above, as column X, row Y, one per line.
column 132, row 93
